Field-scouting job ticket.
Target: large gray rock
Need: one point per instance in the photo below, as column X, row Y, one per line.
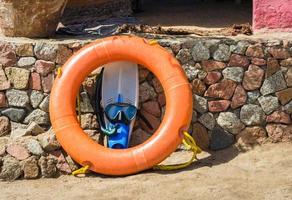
column 233, row 73
column 222, row 53
column 26, row 61
column 220, row 139
column 252, row 115
column 200, row 104
column 45, row 104
column 11, row 169
column 85, row 104
column 46, row 51
column 38, row 116
column 36, row 98
column 200, row 51
column 288, row 107
column 240, row 47
column 14, row 114
column 252, row 96
column 208, row 120
column 269, row 103
column 184, row 56
column 48, row 166
column 274, row 83
column 48, row 141
column 17, row 98
column 34, row 147
column 191, row 71
column 34, row 129
column 230, row 122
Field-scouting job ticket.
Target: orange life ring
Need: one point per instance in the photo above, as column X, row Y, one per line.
column 163, row 142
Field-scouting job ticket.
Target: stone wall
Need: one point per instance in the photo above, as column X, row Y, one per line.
column 242, row 94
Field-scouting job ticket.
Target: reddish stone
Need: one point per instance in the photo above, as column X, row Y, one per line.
column 223, row 89
column 238, row 61
column 253, row 78
column 284, row 96
column 198, row 87
column 201, row 136
column 279, row 132
column 279, row 53
column 4, row 83
column 250, row 137
column 153, row 121
column 7, row 55
column 64, row 53
column 288, row 77
column 17, row 151
column 35, row 81
column 272, row 67
column 218, row 106
column 62, row 163
column 161, row 99
column 143, row 73
column 211, row 65
column 47, row 83
column 44, row 67
column 157, row 86
column 287, row 62
column 152, row 107
column 255, row 51
column 212, row 77
column 138, row 137
column 239, row 97
column 279, row 117
column 258, row 61
column 3, row 102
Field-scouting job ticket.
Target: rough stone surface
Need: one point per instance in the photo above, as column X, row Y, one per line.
column 17, row 151
column 252, row 115
column 17, row 98
column 218, row 90
column 279, row 117
column 255, row 51
column 253, row 78
column 212, row 77
column 34, row 129
column 14, row 114
column 4, row 83
column 240, row 47
column 285, row 96
column 218, row 106
column 269, row 103
column 38, row 116
column 48, row 167
column 288, row 107
column 24, row 49
column 220, row 139
column 208, row 120
column 152, row 107
column 11, row 169
column 5, row 126
column 154, row 122
column 200, row 52
column 272, row 67
column 18, row 77
column 233, row 73
column 200, row 104
column 146, row 92
column 44, row 67
column 85, row 104
column 88, row 121
column 230, row 122
column 45, row 51
column 63, row 54
column 36, row 98
column 7, row 55
column 273, row 84
column 286, row 63
column 3, row 143
column 139, row 136
column 279, row 133
column 47, row 83
column 258, row 61
column 184, row 56
column 3, row 102
column 35, row 81
column 62, row 164
column 48, row 141
column 191, row 71
column 212, row 65
column 26, row 61
column 239, row 98
column 288, row 77
column 252, row 97
column 250, row 137
column 44, row 105
column 198, row 87
column 279, row 53
column 201, row 136
column 222, row 53
column 30, row 168
column 238, row 61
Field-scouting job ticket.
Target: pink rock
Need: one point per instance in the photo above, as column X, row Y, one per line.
column 152, row 107
column 4, row 83
column 211, row 65
column 253, row 78
column 222, row 90
column 44, row 67
column 239, row 97
column 3, row 102
column 62, row 163
column 255, row 51
column 272, row 67
column 238, row 61
column 218, row 106
column 279, row 53
column 7, row 55
column 35, row 81
column 279, row 117
column 47, row 83
column 212, row 77
column 258, row 61
column 17, row 151
column 279, row 132
column 64, row 53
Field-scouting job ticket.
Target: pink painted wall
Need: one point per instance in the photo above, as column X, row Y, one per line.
column 272, row 14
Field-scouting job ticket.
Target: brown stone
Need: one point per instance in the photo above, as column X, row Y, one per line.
column 5, row 126
column 30, row 168
column 279, row 132
column 161, row 99
column 3, row 102
column 138, row 137
column 258, row 61
column 17, row 151
column 255, row 51
column 64, row 53
column 198, row 87
column 218, row 106
column 286, row 63
column 238, row 61
column 152, row 107
column 212, row 77
column 288, row 77
column 239, row 98
column 211, row 65
column 153, row 121
column 201, row 136
column 285, row 96
column 222, row 90
column 44, row 67
column 7, row 54
column 35, row 81
column 47, row 83
column 279, row 53
column 4, row 83
column 253, row 78
column 279, row 117
column 157, row 86
column 24, row 50
column 272, row 67
column 62, row 164
column 250, row 137
column 143, row 73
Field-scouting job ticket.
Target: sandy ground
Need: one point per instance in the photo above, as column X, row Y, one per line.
column 263, row 173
